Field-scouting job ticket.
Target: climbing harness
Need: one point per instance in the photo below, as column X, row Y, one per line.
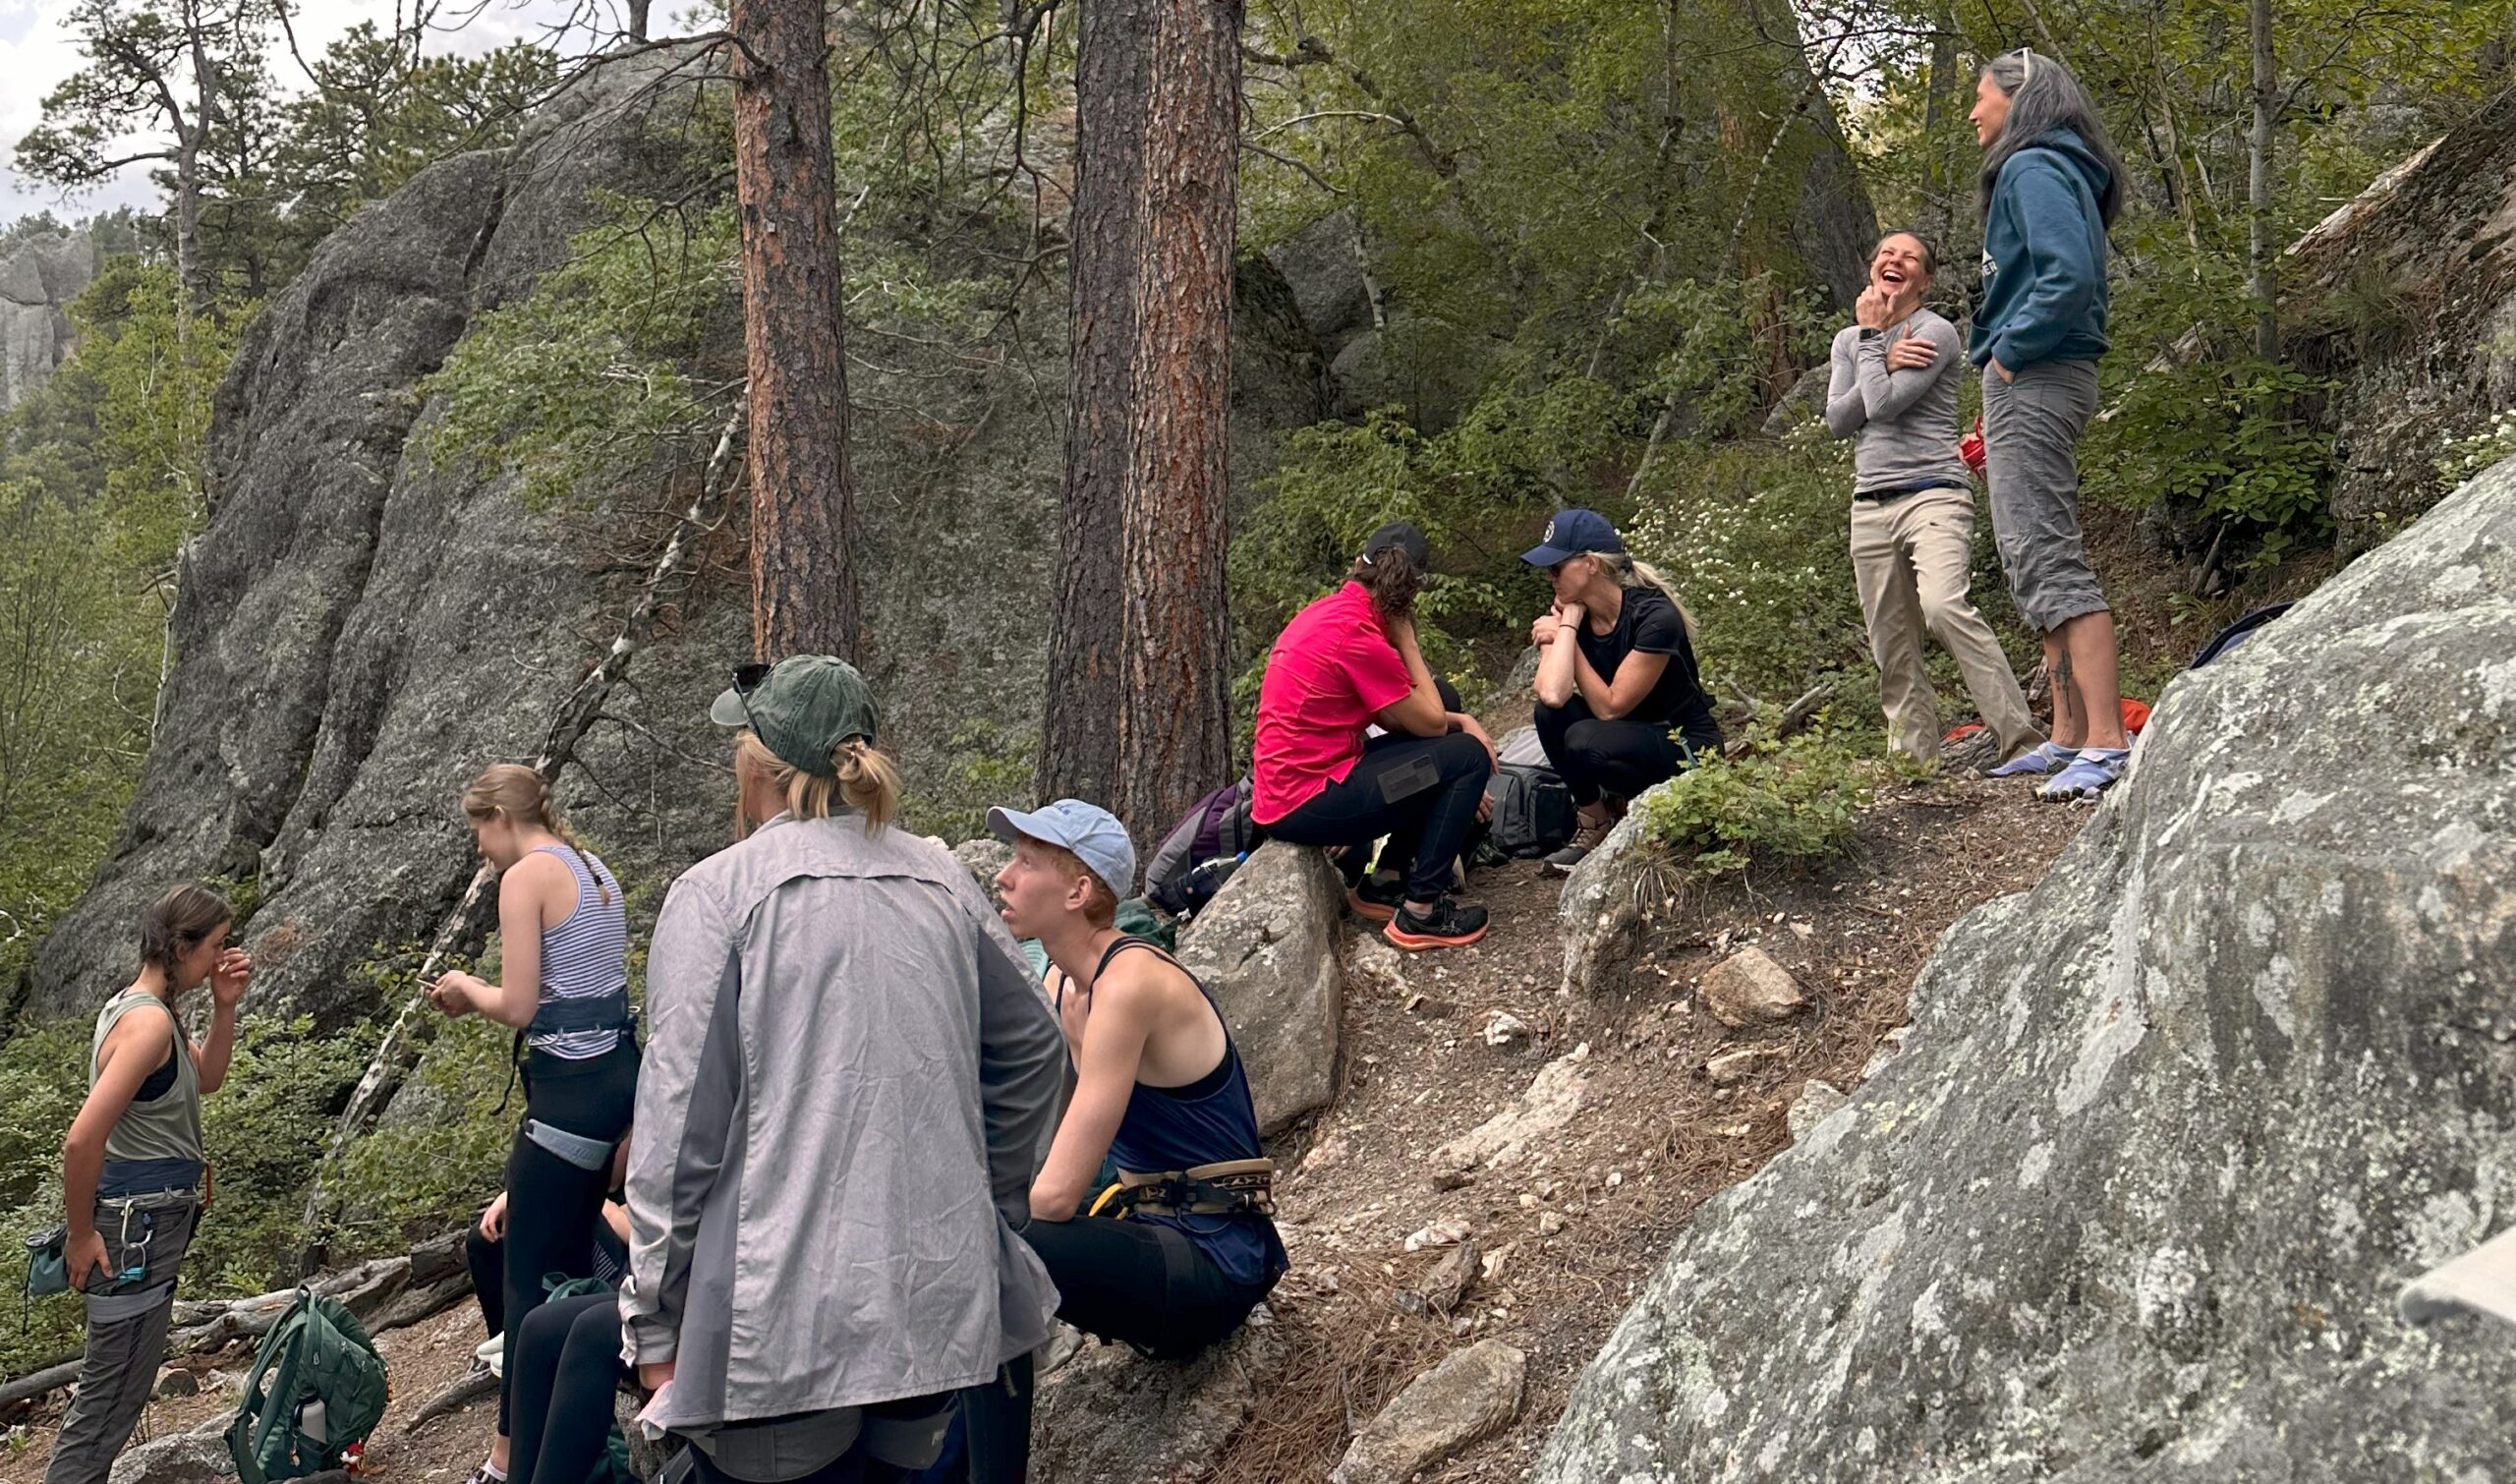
column 1229, row 1187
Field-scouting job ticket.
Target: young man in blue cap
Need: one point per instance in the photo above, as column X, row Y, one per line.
column 1160, row 1091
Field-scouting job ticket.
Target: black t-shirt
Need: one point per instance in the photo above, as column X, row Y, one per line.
column 1649, row 622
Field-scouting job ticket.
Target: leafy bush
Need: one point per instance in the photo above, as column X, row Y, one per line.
column 1790, row 803
column 2229, row 438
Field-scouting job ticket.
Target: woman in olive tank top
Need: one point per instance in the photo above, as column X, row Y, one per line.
column 132, row 1167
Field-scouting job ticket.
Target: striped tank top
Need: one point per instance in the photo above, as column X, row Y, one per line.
column 586, row 956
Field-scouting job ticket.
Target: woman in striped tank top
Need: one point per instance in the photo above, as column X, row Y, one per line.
column 563, row 948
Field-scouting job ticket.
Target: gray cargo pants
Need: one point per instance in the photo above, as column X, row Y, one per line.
column 126, row 1325
column 2031, row 428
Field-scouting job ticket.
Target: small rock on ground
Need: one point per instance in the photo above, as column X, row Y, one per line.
column 1750, row 989
column 1461, row 1401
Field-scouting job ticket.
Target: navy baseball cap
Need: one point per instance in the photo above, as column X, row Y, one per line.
column 1091, row 833
column 1572, row 533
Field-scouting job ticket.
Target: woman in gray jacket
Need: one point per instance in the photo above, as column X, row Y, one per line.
column 851, row 1077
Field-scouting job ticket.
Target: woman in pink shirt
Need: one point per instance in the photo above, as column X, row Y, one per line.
column 1344, row 662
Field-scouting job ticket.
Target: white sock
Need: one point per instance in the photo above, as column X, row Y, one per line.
column 492, row 1471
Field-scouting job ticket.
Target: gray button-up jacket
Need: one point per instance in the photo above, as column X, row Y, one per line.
column 850, row 1078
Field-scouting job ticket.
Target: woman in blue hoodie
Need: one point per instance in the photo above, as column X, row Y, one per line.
column 2049, row 189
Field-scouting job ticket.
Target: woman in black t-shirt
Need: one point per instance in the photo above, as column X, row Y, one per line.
column 1619, row 704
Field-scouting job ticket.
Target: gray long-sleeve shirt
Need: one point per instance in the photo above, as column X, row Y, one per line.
column 849, row 1082
column 1907, row 419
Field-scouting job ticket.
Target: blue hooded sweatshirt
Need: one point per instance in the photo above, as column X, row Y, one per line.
column 2043, row 258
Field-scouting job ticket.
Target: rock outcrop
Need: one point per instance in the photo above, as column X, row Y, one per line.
column 359, row 630
column 1266, row 948
column 38, row 278
column 2411, row 295
column 1472, row 1395
column 1109, row 1414
column 2172, row 1127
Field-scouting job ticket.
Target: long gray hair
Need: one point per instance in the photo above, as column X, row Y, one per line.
column 2045, row 95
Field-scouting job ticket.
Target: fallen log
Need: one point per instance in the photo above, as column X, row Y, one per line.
column 470, row 1388
column 28, row 1389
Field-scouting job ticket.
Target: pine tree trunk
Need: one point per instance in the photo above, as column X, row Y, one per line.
column 637, row 20
column 1175, row 734
column 1079, row 736
column 2267, row 287
column 803, row 578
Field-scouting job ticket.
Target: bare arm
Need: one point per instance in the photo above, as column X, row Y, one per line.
column 1559, row 677
column 136, row 1046
column 1114, row 1042
column 1418, row 713
column 525, row 891
column 227, row 984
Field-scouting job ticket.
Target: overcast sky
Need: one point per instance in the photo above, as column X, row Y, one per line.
column 37, row 50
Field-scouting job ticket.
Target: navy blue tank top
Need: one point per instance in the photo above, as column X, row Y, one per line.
column 1204, row 1122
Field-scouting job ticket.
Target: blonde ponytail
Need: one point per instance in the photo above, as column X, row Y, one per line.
column 1637, row 569
column 861, row 778
column 518, row 792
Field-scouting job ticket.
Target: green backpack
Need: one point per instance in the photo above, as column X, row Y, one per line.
column 316, row 1387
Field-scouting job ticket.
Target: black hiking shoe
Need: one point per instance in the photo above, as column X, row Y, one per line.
column 1376, row 899
column 1448, row 926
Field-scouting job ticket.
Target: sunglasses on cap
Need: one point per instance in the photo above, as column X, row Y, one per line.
column 747, row 679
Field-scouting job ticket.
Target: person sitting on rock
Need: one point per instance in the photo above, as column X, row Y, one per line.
column 1619, row 704
column 1344, row 661
column 850, row 1080
column 132, row 1167
column 484, row 1257
column 567, row 1351
column 1893, row 388
column 1160, row 1090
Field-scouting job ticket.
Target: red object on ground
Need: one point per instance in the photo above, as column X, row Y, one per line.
column 2135, row 715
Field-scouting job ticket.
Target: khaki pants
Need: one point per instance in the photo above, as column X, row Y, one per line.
column 1909, row 557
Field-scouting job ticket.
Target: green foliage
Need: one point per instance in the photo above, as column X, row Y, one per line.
column 441, row 1151
column 2229, row 438
column 1793, row 804
column 585, row 376
column 2464, row 457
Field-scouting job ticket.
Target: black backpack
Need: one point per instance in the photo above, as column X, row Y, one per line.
column 2235, row 634
column 1532, row 812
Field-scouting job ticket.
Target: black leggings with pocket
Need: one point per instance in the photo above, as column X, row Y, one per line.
column 1423, row 792
column 552, row 1206
column 1147, row 1283
column 1594, row 757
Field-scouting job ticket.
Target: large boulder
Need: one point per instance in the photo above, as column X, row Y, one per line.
column 1109, row 1414
column 1607, row 903
column 359, row 628
column 1266, row 948
column 2171, row 1129
column 2409, row 291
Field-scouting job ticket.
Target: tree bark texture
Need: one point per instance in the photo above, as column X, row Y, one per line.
column 1174, row 731
column 803, row 573
column 2266, row 105
column 1079, row 737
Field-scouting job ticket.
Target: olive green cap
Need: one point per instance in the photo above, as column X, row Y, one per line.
column 802, row 708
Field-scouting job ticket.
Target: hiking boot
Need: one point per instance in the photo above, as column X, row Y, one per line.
column 1376, row 899
column 1448, row 926
column 2041, row 761
column 1584, row 839
column 2094, row 771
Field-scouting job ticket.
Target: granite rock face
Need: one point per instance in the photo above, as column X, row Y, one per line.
column 2172, row 1127
column 38, row 279
column 359, row 629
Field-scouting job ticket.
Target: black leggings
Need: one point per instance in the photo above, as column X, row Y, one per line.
column 1594, row 757
column 552, row 1205
column 1423, row 792
column 1144, row 1283
column 487, row 1258
column 567, row 1361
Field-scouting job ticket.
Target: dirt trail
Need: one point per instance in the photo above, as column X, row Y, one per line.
column 1653, row 1141
column 1574, row 1228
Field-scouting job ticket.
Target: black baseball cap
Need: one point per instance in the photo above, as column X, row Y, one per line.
column 1571, row 534
column 1401, row 535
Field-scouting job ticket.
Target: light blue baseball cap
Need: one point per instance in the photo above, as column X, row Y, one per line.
column 1091, row 832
